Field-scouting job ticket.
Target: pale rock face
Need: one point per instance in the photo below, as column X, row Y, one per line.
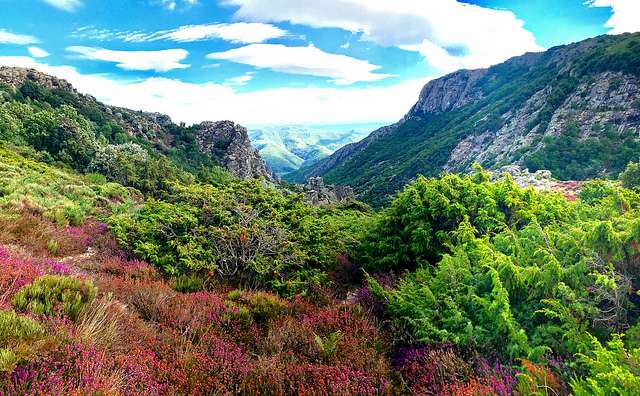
column 608, row 99
column 232, row 141
column 450, row 93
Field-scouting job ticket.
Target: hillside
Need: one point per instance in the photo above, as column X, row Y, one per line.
column 574, row 110
column 203, row 145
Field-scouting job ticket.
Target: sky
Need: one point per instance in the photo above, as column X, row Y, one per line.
column 261, row 62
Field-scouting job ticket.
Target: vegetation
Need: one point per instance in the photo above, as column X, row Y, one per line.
column 189, row 281
column 51, row 293
column 570, row 157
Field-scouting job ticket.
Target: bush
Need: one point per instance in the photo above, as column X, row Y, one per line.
column 610, row 370
column 17, row 335
column 188, row 284
column 630, row 178
column 54, row 293
column 423, row 221
column 243, row 232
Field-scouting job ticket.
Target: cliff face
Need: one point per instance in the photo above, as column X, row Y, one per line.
column 231, row 142
column 573, row 109
column 236, row 153
column 452, row 92
column 609, row 99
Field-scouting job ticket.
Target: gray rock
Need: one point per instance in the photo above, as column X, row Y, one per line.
column 231, row 142
column 319, row 193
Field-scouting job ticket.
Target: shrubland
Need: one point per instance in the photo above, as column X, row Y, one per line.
column 176, row 280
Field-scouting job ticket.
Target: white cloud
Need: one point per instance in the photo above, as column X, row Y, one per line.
column 65, row 5
column 12, row 38
column 625, row 17
column 311, row 61
column 234, row 32
column 198, row 102
column 172, row 5
column 241, row 32
column 240, row 80
column 475, row 36
column 159, row 61
column 37, row 52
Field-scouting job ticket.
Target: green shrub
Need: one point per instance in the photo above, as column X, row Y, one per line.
column 257, row 307
column 53, row 247
column 17, row 335
column 611, row 370
column 630, row 178
column 51, row 293
column 510, row 271
column 188, row 283
column 245, row 232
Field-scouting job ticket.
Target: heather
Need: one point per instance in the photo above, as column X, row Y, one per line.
column 200, row 283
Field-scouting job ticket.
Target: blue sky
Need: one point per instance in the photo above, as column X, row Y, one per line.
column 285, row 61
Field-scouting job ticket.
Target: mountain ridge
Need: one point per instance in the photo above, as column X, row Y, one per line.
column 516, row 112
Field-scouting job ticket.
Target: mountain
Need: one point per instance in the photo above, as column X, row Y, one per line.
column 222, row 143
column 573, row 109
column 286, row 148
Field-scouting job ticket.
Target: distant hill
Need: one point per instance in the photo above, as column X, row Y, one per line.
column 286, row 148
column 573, row 109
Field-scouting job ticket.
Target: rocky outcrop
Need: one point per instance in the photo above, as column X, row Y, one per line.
column 230, row 142
column 225, row 141
column 540, row 180
column 319, row 193
column 16, row 77
column 449, row 93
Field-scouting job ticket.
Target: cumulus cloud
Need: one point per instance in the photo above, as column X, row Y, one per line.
column 191, row 102
column 625, row 17
column 65, row 5
column 488, row 36
column 310, row 61
column 7, row 37
column 37, row 52
column 241, row 32
column 159, row 61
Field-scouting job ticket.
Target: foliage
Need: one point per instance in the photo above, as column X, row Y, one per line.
column 57, row 194
column 512, row 272
column 432, row 215
column 611, row 369
column 240, row 231
column 17, row 333
column 571, row 157
column 55, row 293
column 630, row 178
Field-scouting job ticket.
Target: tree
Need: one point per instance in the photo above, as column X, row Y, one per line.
column 630, row 178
